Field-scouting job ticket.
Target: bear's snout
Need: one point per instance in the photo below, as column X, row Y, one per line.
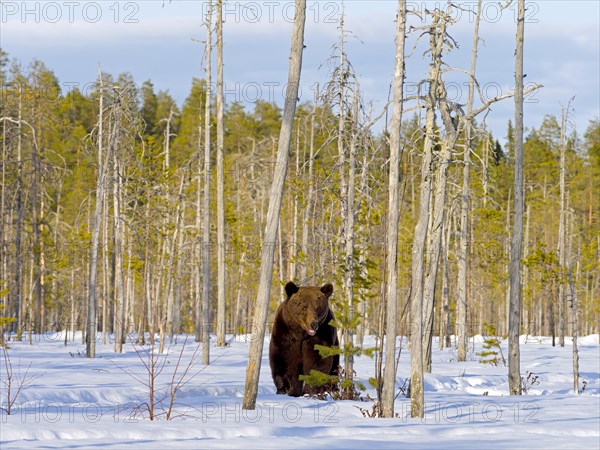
column 314, row 326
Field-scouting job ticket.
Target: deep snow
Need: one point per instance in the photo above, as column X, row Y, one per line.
column 76, row 402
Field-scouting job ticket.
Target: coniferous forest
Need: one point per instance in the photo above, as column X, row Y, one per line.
column 151, row 233
column 113, row 194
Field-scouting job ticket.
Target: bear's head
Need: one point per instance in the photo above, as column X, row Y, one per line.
column 307, row 306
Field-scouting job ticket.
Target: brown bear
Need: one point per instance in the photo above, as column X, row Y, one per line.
column 301, row 322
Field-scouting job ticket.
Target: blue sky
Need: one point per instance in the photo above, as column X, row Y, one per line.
column 159, row 41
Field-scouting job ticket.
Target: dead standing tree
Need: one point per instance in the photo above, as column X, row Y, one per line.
column 430, row 225
column 436, row 36
column 96, row 223
column 515, row 288
column 269, row 240
column 221, row 318
column 461, row 303
column 562, row 242
column 391, row 266
column 205, row 316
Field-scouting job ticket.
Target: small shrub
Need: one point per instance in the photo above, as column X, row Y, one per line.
column 491, row 347
column 14, row 383
column 340, row 386
column 530, row 379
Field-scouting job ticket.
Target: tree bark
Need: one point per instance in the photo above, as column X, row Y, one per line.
column 437, row 226
column 349, row 245
column 269, row 241
column 206, row 199
column 18, row 286
column 418, row 257
column 562, row 288
column 463, row 253
column 221, row 317
column 119, row 315
column 308, row 207
column 514, row 318
column 391, row 265
column 96, row 222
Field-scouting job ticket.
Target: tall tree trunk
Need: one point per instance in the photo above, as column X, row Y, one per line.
column 269, row 241
column 444, row 338
column 574, row 333
column 119, row 298
column 418, row 261
column 507, row 252
column 514, row 318
column 574, row 306
column 293, row 256
column 349, row 245
column 3, row 216
column 562, row 288
column 391, row 263
column 308, row 207
column 420, row 236
column 206, row 199
column 437, row 224
column 173, row 252
column 221, row 317
column 105, row 274
column 346, row 233
column 461, row 303
column 197, row 271
column 36, row 221
column 18, row 286
column 526, row 304
column 96, row 223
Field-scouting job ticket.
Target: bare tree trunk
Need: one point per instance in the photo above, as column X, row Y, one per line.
column 197, row 271
column 308, row 207
column 436, row 231
column 173, row 252
column 574, row 306
column 237, row 322
column 119, row 317
column 105, row 273
column 526, row 305
column 100, row 185
column 391, row 264
column 418, row 261
column 461, row 303
column 514, row 318
column 280, row 258
column 444, row 338
column 437, row 222
column 221, row 317
column 36, row 224
column 562, row 226
column 268, row 246
column 293, row 257
column 206, row 205
column 349, row 244
column 346, row 233
column 179, row 271
column 129, row 307
column 3, row 215
column 574, row 332
column 363, row 248
column 18, row 286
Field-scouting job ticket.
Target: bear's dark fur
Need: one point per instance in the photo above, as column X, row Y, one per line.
column 301, row 322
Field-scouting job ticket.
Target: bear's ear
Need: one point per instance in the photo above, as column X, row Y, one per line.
column 327, row 290
column 291, row 289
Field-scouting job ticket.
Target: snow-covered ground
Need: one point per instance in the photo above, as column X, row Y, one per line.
column 74, row 402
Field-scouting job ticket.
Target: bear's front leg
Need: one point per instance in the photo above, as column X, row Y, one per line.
column 296, row 385
column 278, row 368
